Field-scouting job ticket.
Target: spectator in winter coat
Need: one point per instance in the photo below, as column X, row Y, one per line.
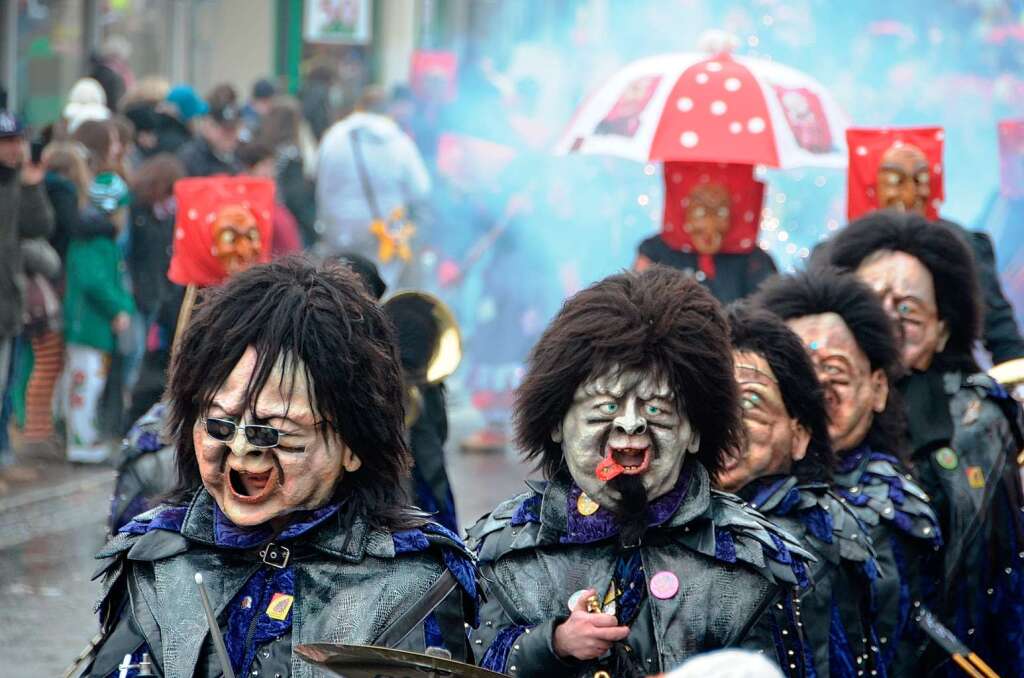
column 288, row 135
column 258, row 160
column 367, row 169
column 24, row 213
column 97, row 307
column 212, row 151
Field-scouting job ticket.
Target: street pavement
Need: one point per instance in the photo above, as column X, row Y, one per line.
column 50, row 531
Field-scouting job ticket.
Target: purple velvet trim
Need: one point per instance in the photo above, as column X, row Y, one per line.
column 147, row 441
column 432, row 636
column 788, row 502
column 841, row 663
column 169, row 519
column 781, row 554
column 818, row 522
column 725, row 547
column 226, row 533
column 497, row 654
column 765, row 492
column 410, row 541
column 603, row 524
column 855, row 499
column 528, row 511
column 251, row 626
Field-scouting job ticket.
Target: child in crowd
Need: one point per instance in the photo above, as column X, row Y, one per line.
column 97, row 307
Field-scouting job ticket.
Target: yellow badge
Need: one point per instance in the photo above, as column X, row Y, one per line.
column 975, row 477
column 971, row 412
column 586, row 506
column 280, row 606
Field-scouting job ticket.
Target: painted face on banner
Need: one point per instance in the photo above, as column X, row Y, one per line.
column 774, row 441
column 854, row 392
column 253, row 485
column 708, row 217
column 907, row 291
column 904, row 181
column 236, row 239
column 625, row 423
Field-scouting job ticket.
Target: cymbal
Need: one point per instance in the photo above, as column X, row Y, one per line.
column 367, row 661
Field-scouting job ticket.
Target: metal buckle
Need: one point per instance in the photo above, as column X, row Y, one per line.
column 275, row 555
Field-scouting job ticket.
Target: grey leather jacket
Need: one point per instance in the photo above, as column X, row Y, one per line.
column 738, row 578
column 839, row 608
column 350, row 583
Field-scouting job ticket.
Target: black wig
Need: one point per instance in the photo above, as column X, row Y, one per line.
column 757, row 331
column 322, row 317
column 827, row 290
column 660, row 319
column 946, row 256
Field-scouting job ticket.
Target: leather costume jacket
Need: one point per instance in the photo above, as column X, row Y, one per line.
column 838, row 610
column 347, row 581
column 907, row 539
column 736, row 579
column 968, row 465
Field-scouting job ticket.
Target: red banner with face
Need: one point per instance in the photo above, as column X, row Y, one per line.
column 223, row 226
column 907, row 159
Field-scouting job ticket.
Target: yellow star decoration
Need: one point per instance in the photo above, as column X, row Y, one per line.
column 393, row 237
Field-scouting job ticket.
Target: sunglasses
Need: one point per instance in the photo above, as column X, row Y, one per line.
column 258, row 436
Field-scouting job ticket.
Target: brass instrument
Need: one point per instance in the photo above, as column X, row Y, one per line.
column 429, row 343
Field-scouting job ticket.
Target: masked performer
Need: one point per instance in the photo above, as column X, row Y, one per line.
column 851, row 343
column 285, row 407
column 223, row 226
column 783, row 469
column 625, row 560
column 709, row 229
column 902, row 169
column 964, row 429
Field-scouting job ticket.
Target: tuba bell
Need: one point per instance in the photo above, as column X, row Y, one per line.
column 429, row 343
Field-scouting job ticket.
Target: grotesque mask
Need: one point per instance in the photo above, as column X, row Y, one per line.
column 625, row 423
column 854, row 392
column 907, row 291
column 774, row 440
column 904, row 181
column 236, row 239
column 707, row 217
column 253, row 484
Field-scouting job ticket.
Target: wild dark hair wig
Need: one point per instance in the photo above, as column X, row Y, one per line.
column 321, row 317
column 661, row 320
column 828, row 290
column 946, row 256
column 755, row 330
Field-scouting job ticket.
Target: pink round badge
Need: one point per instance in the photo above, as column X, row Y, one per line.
column 664, row 585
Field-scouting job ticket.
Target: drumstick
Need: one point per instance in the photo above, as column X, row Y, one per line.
column 218, row 639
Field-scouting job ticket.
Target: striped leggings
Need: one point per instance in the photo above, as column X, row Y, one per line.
column 48, row 360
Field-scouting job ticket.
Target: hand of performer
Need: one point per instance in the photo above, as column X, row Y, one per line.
column 587, row 635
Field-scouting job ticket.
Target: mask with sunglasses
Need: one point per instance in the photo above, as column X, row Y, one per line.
column 263, row 470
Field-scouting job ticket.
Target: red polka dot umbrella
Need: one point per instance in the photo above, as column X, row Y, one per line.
column 711, row 108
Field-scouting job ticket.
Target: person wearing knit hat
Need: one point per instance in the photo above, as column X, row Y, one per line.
column 186, row 103
column 86, row 101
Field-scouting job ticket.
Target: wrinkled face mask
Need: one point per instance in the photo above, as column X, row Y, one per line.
column 256, row 475
column 907, row 291
column 904, row 181
column 625, row 423
column 707, row 217
column 236, row 239
column 773, row 440
column 853, row 392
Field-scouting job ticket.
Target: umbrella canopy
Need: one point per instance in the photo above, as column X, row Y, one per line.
column 711, row 108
